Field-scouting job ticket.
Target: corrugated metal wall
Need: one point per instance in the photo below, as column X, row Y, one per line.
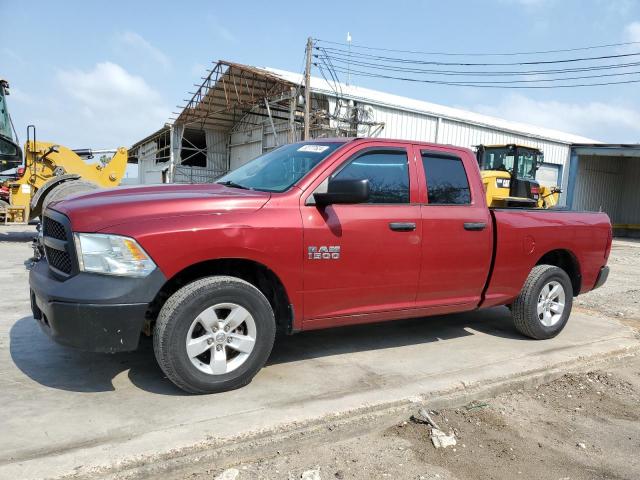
column 629, row 210
column 416, row 126
column 609, row 184
column 598, row 185
column 245, row 145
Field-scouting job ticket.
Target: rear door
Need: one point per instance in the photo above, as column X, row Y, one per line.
column 363, row 258
column 457, row 238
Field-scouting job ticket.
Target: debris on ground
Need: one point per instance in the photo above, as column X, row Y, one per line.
column 441, row 439
column 475, row 404
column 438, row 437
column 311, row 474
column 425, row 417
column 229, row 474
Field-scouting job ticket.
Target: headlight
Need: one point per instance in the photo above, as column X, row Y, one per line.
column 503, row 182
column 112, row 255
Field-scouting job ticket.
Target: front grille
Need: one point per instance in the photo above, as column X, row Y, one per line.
column 53, row 229
column 58, row 244
column 58, row 259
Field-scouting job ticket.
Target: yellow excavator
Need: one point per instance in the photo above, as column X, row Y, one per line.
column 50, row 172
column 509, row 177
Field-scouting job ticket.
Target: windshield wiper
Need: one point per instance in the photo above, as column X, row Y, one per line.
column 232, row 184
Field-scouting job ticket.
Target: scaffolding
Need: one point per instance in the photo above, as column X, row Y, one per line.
column 236, row 113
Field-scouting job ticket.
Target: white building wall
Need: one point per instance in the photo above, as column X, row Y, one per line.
column 149, row 172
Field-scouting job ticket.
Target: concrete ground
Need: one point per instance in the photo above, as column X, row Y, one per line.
column 68, row 412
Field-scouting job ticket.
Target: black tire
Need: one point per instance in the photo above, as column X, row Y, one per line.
column 524, row 309
column 184, row 306
column 524, row 312
column 66, row 189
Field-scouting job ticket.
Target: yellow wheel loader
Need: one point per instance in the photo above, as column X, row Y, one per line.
column 509, row 177
column 50, row 172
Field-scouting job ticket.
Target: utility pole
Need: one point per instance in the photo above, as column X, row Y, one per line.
column 307, row 89
column 292, row 115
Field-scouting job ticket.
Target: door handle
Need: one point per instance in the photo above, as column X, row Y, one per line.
column 474, row 226
column 402, row 226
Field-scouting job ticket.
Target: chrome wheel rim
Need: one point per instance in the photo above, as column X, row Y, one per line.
column 221, row 338
column 551, row 303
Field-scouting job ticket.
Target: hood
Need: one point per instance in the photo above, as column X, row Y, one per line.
column 91, row 212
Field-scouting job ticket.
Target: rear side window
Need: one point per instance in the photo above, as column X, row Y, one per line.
column 447, row 182
column 387, row 172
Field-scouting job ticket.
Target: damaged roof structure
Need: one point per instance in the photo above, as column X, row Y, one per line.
column 239, row 112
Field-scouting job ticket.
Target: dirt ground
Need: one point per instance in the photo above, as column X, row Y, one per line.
column 584, row 425
column 620, row 296
column 580, row 426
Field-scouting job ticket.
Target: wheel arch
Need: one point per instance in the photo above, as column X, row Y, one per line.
column 567, row 261
column 256, row 273
column 43, row 191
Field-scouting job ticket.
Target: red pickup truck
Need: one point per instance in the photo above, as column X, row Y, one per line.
column 311, row 235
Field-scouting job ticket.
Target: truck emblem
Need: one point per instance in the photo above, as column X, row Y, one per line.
column 331, row 252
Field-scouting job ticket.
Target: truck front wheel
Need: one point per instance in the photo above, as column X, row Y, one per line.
column 214, row 334
column 543, row 307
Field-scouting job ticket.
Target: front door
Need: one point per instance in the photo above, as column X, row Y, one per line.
column 365, row 258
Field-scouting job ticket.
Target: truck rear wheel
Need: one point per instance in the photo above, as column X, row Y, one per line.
column 66, row 189
column 214, row 334
column 543, row 307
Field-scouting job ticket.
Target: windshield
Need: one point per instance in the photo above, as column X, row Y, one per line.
column 281, row 168
column 10, row 154
column 525, row 160
column 5, row 123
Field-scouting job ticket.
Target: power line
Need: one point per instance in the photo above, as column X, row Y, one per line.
column 481, row 54
column 383, row 66
column 345, row 53
column 484, row 85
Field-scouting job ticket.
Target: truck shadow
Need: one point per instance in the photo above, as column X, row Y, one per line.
column 59, row 367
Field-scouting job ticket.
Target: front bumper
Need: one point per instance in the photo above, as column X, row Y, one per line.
column 603, row 275
column 93, row 312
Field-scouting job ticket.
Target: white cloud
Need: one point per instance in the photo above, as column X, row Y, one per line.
column 135, row 41
column 105, row 106
column 608, row 122
column 632, row 32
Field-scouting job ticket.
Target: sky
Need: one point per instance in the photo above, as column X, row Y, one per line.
column 106, row 74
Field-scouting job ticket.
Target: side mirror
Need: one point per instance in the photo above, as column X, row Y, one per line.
column 344, row 191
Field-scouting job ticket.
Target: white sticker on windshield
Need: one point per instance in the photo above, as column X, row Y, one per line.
column 313, row 148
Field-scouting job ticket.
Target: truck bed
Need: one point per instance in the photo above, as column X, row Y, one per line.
column 523, row 236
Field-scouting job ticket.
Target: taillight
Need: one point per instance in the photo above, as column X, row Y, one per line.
column 535, row 190
column 20, row 171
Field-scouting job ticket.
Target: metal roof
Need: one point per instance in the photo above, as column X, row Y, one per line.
column 227, row 92
column 231, row 89
column 320, row 85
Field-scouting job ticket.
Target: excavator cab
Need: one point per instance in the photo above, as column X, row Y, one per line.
column 509, row 176
column 10, row 152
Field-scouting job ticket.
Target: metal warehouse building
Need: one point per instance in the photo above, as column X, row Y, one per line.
column 240, row 112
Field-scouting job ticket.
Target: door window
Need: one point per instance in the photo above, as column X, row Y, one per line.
column 447, row 182
column 387, row 172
